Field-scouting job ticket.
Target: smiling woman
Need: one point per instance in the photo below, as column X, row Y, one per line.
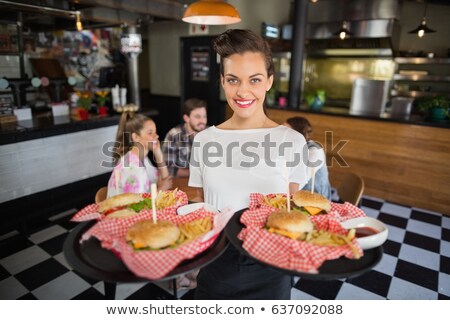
column 258, row 157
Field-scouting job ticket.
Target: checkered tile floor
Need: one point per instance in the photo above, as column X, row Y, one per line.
column 415, row 264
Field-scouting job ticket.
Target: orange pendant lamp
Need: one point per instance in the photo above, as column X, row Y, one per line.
column 211, row 12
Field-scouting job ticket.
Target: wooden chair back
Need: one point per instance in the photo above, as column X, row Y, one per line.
column 351, row 188
column 101, row 194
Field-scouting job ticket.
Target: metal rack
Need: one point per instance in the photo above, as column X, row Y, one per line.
column 432, row 77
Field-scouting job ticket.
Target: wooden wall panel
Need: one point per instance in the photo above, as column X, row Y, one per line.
column 402, row 163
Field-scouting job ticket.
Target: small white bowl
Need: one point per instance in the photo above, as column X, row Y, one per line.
column 370, row 241
column 184, row 210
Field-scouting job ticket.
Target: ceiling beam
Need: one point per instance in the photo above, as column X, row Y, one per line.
column 157, row 8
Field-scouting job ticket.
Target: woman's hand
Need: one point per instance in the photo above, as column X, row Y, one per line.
column 165, row 183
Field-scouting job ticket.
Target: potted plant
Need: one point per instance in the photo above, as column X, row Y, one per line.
column 316, row 99
column 102, row 98
column 84, row 104
column 435, row 108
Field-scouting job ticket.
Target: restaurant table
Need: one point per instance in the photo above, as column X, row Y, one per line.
column 182, row 184
column 91, row 260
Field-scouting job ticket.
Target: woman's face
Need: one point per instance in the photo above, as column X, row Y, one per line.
column 245, row 82
column 147, row 136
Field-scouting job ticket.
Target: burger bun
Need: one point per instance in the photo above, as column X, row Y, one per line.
column 304, row 198
column 120, row 200
column 293, row 221
column 146, row 234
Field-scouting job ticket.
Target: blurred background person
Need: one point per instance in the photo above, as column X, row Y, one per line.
column 177, row 144
column 133, row 171
column 316, row 157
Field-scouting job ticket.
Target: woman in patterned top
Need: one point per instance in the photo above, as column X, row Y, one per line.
column 133, row 172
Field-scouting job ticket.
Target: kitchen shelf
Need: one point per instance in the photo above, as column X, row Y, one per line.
column 418, row 77
column 417, row 94
column 413, row 77
column 418, row 60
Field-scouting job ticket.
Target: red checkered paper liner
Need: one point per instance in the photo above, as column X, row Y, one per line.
column 155, row 264
column 90, row 212
column 339, row 211
column 287, row 253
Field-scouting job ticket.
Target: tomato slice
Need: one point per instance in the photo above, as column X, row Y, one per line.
column 113, row 210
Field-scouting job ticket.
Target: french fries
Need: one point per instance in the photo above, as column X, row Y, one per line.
column 194, row 229
column 326, row 238
column 279, row 201
column 166, row 199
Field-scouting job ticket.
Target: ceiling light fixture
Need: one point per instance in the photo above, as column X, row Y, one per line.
column 211, row 12
column 78, row 23
column 343, row 32
column 422, row 29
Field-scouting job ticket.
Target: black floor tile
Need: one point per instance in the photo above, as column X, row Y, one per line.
column 14, row 244
column 40, row 274
column 3, row 273
column 150, row 292
column 190, row 295
column 88, row 280
column 445, row 265
column 372, row 204
column 421, row 241
column 325, row 290
column 373, row 281
column 426, row 217
column 54, row 245
column 89, row 294
column 392, row 248
column 417, row 274
column 393, row 220
column 28, row 296
column 443, row 297
column 445, row 234
column 68, row 225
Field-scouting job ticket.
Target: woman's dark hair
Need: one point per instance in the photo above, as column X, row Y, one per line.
column 239, row 41
column 300, row 124
column 129, row 123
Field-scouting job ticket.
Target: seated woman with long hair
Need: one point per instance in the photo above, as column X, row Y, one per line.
column 133, row 172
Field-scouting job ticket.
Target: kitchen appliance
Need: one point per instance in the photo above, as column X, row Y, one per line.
column 401, row 108
column 369, row 97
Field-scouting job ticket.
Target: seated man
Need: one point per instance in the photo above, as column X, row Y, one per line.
column 178, row 142
column 316, row 156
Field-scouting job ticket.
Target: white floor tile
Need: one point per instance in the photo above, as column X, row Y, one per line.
column 351, row 292
column 444, row 284
column 405, row 290
column 387, row 265
column 69, row 212
column 11, row 289
column 370, row 212
column 423, row 228
column 420, row 257
column 124, row 290
column 24, row 259
column 396, row 234
column 300, row 295
column 64, row 287
column 396, row 210
column 445, row 248
column 47, row 234
column 446, row 222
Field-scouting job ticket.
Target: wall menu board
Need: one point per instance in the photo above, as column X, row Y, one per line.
column 200, row 64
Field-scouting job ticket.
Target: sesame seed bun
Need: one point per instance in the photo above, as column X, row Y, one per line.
column 120, row 200
column 293, row 221
column 146, row 234
column 304, row 198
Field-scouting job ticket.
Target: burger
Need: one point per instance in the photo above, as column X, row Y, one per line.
column 311, row 203
column 293, row 224
column 122, row 206
column 147, row 235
